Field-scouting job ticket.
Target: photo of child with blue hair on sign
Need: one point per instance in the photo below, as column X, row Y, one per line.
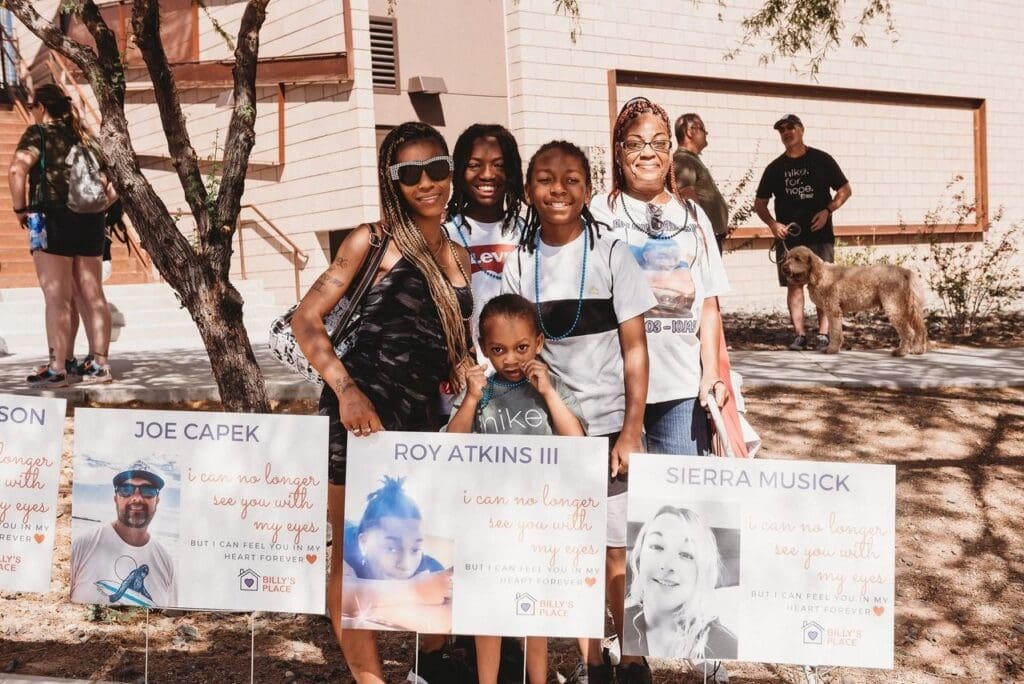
column 389, row 575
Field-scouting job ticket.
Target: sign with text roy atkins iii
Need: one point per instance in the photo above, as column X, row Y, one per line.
column 475, row 534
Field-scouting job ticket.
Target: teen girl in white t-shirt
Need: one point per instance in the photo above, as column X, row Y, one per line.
column 484, row 209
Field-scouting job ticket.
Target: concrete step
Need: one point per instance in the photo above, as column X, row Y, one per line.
column 149, row 315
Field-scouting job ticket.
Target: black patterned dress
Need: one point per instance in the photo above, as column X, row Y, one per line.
column 399, row 359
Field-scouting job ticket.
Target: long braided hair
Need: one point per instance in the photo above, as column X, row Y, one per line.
column 531, row 228
column 58, row 105
column 410, row 242
column 513, row 165
column 630, row 111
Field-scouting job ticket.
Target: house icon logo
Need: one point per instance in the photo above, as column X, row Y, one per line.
column 526, row 605
column 248, row 580
column 813, row 633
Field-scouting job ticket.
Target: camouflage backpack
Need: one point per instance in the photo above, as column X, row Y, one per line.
column 87, row 182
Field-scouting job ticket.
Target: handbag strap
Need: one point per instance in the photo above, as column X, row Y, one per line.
column 364, row 279
column 38, row 193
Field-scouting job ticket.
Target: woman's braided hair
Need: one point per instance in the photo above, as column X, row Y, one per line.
column 513, row 165
column 532, row 222
column 410, row 242
column 636, row 107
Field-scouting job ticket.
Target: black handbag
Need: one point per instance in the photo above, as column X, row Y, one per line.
column 342, row 323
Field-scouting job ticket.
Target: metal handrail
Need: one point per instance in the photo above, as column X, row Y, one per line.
column 298, row 255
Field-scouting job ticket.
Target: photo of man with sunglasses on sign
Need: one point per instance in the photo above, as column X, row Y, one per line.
column 121, row 562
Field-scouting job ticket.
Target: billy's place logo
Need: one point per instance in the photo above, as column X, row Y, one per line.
column 250, row 580
column 528, row 605
column 813, row 633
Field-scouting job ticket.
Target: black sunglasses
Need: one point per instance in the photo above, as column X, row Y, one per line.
column 147, row 491
column 410, row 172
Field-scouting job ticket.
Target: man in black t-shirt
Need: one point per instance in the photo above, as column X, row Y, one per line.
column 801, row 180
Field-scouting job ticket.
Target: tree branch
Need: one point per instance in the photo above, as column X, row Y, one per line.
column 241, row 135
column 53, row 37
column 146, row 25
column 107, row 55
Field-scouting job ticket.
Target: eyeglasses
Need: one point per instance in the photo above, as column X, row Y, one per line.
column 787, row 127
column 147, row 491
column 410, row 172
column 634, row 146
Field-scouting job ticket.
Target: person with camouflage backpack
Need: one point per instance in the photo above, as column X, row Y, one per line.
column 68, row 191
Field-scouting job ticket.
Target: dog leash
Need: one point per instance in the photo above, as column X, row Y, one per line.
column 792, row 230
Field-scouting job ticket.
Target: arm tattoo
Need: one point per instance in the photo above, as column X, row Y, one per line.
column 324, row 280
column 342, row 261
column 343, row 385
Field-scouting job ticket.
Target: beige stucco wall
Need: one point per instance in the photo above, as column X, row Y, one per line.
column 899, row 159
column 461, row 42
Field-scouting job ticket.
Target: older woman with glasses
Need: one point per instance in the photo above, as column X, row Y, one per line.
column 674, row 243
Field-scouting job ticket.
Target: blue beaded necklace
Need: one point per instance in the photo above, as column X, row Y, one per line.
column 493, row 380
column 536, row 287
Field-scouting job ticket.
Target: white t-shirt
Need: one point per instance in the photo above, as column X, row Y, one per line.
column 104, row 567
column 589, row 360
column 683, row 267
column 488, row 248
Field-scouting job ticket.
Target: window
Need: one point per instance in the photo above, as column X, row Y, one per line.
column 384, row 54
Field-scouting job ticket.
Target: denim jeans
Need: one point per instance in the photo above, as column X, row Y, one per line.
column 677, row 427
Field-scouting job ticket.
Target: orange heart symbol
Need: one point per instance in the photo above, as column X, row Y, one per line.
column 879, row 610
column 311, row 558
column 39, row 538
column 590, row 581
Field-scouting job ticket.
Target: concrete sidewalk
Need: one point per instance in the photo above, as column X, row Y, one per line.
column 184, row 374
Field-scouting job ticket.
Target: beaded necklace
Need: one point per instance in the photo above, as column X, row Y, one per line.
column 493, row 380
column 644, row 229
column 536, row 287
column 474, row 260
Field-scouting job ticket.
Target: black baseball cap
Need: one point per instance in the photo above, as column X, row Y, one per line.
column 139, row 470
column 788, row 119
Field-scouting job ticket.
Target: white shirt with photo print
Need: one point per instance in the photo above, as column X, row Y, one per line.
column 683, row 268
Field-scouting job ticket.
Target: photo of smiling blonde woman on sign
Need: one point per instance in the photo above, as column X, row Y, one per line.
column 683, row 575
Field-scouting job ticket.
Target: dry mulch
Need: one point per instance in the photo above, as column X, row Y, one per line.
column 959, row 574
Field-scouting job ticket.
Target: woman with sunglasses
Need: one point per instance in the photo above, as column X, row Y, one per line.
column 675, row 245
column 70, row 265
column 412, row 332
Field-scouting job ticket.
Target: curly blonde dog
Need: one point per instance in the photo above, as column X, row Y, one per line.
column 848, row 289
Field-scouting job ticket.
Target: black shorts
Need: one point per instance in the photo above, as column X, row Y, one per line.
column 74, row 235
column 825, row 250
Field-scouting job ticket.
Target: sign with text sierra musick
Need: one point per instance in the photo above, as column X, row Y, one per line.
column 475, row 534
column 31, row 442
column 760, row 560
column 199, row 510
